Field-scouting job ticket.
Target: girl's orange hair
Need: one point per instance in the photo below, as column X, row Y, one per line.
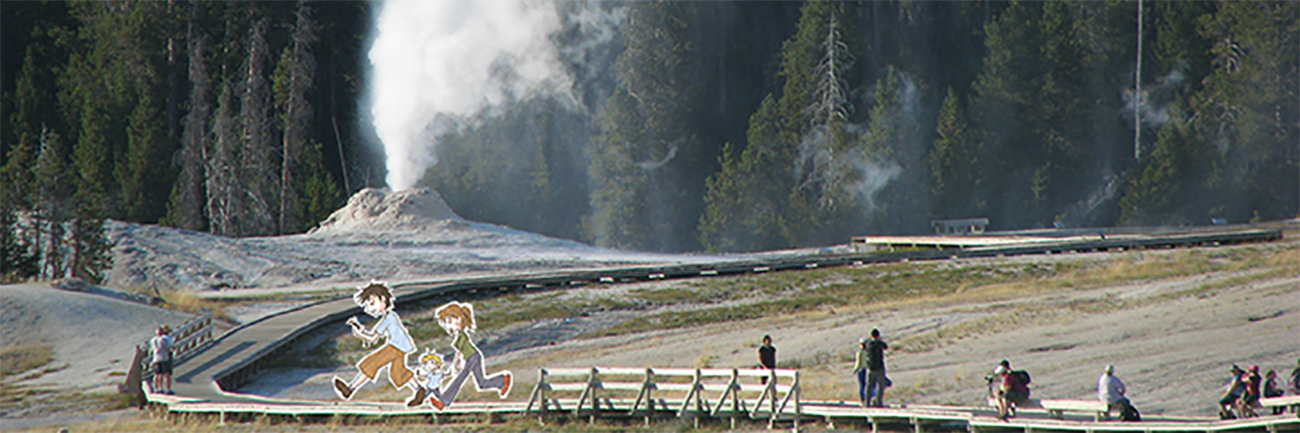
column 456, row 309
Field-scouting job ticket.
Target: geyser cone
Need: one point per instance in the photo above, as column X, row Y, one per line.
column 379, row 209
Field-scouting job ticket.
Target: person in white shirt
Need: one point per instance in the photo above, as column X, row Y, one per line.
column 1110, row 390
column 161, row 345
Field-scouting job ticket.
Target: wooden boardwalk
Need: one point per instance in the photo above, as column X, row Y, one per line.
column 205, row 378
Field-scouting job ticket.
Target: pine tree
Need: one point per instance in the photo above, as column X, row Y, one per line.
column 824, row 162
column 187, row 206
column 1168, row 176
column 952, row 162
column 52, row 205
column 292, row 80
column 719, row 227
column 1249, row 107
column 256, row 216
column 787, row 178
column 641, row 163
column 91, row 248
column 142, row 176
column 18, row 260
column 321, row 195
column 223, row 185
column 748, row 197
column 1032, row 113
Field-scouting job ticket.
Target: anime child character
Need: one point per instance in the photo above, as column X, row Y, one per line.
column 429, row 375
column 376, row 299
column 458, row 320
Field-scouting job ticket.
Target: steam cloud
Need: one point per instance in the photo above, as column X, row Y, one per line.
column 437, row 63
column 1153, row 113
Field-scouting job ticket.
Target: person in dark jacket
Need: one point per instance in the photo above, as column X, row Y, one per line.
column 1236, row 387
column 876, row 381
column 767, row 356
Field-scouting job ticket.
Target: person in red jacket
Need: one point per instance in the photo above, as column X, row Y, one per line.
column 1014, row 390
column 1251, row 398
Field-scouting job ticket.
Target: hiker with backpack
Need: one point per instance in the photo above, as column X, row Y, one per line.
column 1111, row 390
column 1014, row 390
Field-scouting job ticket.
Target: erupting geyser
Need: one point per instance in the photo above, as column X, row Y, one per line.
column 436, row 63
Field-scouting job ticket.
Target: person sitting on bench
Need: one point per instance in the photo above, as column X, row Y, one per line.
column 1250, row 400
column 1232, row 393
column 1014, row 391
column 1271, row 390
column 1111, row 390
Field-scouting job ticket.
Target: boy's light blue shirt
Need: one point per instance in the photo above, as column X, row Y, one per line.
column 391, row 325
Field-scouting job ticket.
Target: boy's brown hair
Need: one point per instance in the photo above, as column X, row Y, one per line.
column 456, row 309
column 374, row 289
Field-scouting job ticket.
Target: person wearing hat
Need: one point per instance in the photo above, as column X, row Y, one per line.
column 1236, row 387
column 161, row 345
column 1014, row 391
column 860, row 369
column 1111, row 390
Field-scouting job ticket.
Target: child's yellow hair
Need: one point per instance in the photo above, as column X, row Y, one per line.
column 432, row 356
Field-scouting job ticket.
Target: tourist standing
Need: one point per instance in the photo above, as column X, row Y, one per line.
column 876, row 380
column 162, row 360
column 860, row 370
column 767, row 357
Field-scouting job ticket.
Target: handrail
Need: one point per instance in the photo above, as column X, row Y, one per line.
column 728, row 383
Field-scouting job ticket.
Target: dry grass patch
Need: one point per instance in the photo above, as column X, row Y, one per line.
column 189, row 302
column 15, row 360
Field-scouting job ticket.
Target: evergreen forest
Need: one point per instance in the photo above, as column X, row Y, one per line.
column 699, row 126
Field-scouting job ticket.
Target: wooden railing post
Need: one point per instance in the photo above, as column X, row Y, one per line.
column 798, row 407
column 538, row 396
column 734, row 389
column 771, row 385
column 593, row 383
column 649, row 395
column 794, row 391
column 645, row 396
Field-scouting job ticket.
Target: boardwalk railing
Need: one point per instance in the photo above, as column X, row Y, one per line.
column 185, row 339
column 682, row 391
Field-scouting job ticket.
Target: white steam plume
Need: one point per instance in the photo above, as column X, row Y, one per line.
column 1153, row 112
column 438, row 62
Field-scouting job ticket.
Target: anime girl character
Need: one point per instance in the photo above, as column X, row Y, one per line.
column 458, row 320
column 376, row 299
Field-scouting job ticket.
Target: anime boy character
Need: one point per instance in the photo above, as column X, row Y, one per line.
column 458, row 320
column 376, row 299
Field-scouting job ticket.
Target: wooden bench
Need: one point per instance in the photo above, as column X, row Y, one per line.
column 1057, row 408
column 1291, row 402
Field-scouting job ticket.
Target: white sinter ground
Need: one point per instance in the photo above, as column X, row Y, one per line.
column 406, row 235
